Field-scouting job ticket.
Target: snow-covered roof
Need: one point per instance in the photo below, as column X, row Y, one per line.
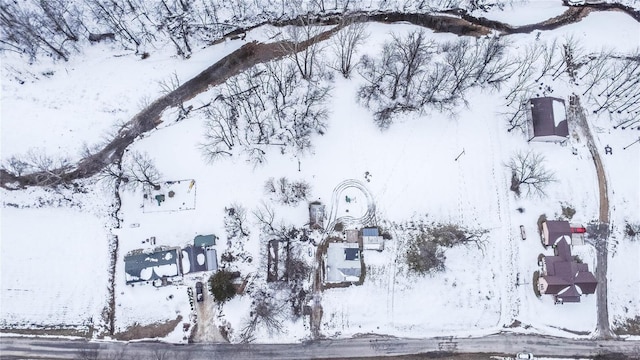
column 204, row 240
column 548, row 116
column 373, row 231
column 151, row 266
column 343, row 263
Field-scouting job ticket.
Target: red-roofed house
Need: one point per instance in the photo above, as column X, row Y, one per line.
column 564, row 277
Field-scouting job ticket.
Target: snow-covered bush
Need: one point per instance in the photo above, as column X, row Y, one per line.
column 632, row 230
column 427, row 242
column 221, row 286
column 425, row 256
column 287, row 192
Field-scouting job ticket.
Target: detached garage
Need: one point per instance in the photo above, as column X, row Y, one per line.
column 547, row 120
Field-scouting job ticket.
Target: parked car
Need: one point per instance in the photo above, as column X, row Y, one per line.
column 199, row 293
column 524, row 356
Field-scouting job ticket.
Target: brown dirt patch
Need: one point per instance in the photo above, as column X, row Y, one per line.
column 79, row 332
column 151, row 331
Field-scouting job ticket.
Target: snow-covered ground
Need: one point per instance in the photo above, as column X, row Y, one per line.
column 412, row 172
column 54, row 261
column 62, row 106
column 523, row 13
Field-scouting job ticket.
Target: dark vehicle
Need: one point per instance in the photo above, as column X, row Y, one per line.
column 199, row 294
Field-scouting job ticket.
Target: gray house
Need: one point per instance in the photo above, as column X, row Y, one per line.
column 547, row 120
column 140, row 266
column 196, row 259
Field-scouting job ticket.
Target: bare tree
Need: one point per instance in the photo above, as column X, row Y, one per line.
column 265, row 216
column 617, row 89
column 287, row 192
column 48, row 26
column 462, row 58
column 138, row 169
column 596, row 70
column 574, row 57
column 631, row 230
column 528, row 169
column 43, row 169
column 391, row 82
column 346, row 42
column 450, row 235
column 523, row 83
column 551, row 59
column 235, row 221
column 267, row 106
column 302, row 47
column 176, row 20
column 16, row 165
column 517, row 114
column 129, row 21
column 221, row 131
column 265, row 312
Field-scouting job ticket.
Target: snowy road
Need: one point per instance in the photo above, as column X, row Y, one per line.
column 34, row 348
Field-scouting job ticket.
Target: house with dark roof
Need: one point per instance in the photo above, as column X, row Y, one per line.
column 552, row 230
column 564, row 277
column 196, row 259
column 547, row 120
column 161, row 263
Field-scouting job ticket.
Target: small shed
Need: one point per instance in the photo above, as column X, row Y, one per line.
column 352, row 236
column 547, row 120
column 316, row 215
column 204, row 241
column 371, row 239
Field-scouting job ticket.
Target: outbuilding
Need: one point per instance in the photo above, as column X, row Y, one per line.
column 547, row 120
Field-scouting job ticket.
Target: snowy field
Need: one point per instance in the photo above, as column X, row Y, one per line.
column 54, row 266
column 411, row 170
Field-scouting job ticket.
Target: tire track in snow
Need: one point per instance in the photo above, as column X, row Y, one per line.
column 505, row 238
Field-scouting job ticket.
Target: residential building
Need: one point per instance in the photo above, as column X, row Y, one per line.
column 565, row 277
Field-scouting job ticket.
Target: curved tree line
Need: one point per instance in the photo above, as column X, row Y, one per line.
column 256, row 53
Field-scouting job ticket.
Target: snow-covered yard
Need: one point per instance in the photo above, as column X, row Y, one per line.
column 449, row 167
column 54, row 266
